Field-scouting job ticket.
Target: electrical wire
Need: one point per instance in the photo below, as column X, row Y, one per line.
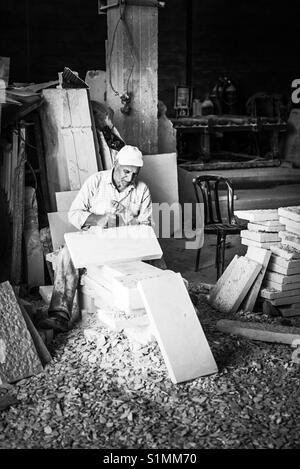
column 125, row 25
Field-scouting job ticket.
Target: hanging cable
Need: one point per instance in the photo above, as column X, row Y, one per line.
column 125, row 96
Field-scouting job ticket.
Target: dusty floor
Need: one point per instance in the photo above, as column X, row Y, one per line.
column 182, row 260
column 117, row 395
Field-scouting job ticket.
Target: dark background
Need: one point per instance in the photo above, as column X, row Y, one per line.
column 255, row 43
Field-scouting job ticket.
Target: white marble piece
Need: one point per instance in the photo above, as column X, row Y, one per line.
column 257, row 215
column 233, row 285
column 266, row 228
column 264, row 245
column 103, row 246
column 290, row 225
column 177, row 328
column 293, row 212
column 260, row 237
column 262, row 256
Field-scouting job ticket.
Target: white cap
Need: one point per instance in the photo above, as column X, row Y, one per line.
column 131, row 156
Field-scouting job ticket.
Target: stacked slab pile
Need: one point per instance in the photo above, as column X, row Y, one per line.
column 146, row 303
column 283, row 276
column 118, row 303
column 271, row 229
column 263, row 228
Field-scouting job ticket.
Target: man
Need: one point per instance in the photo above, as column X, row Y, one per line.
column 108, row 198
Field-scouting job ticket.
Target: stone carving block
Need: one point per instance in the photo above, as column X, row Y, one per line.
column 18, row 355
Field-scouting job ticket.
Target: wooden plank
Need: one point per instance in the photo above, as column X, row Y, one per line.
column 84, row 145
column 71, row 159
column 167, row 302
column 132, row 67
column 52, row 119
column 41, row 160
column 19, row 358
column 10, row 176
column 78, row 108
column 106, row 155
column 64, row 200
column 62, row 118
column 260, row 331
column 262, row 256
column 59, row 225
column 33, row 246
column 234, row 284
column 125, row 243
column 18, row 212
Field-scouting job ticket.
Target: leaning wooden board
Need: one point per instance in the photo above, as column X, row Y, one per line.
column 70, row 153
column 260, row 331
column 176, row 327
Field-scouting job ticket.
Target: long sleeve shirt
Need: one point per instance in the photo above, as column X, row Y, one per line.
column 97, row 193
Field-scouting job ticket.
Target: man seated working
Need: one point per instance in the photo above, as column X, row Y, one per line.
column 107, row 199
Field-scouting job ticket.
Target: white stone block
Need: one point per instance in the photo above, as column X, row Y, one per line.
column 259, row 236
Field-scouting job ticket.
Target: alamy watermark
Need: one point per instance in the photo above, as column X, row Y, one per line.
column 295, row 96
column 183, row 221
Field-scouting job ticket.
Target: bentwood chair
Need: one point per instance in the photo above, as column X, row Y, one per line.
column 215, row 220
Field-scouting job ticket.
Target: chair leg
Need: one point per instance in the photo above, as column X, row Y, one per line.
column 217, row 260
column 197, row 260
column 222, row 249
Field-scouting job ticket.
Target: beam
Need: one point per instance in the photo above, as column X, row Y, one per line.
column 132, row 69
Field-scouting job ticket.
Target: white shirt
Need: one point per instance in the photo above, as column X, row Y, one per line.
column 97, row 193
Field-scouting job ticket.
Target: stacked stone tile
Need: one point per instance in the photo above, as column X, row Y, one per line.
column 263, row 228
column 281, row 285
column 278, row 231
column 117, row 301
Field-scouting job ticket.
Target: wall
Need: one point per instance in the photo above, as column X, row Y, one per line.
column 42, row 37
column 171, row 50
column 256, row 43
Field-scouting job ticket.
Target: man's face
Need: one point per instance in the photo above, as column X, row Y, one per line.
column 124, row 175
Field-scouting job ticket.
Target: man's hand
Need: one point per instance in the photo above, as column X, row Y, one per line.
column 100, row 220
column 117, row 208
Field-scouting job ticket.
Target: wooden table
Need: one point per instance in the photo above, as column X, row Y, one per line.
column 209, row 125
